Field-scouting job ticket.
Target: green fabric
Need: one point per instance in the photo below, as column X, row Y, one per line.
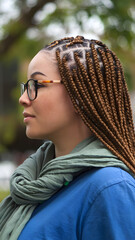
column 41, row 176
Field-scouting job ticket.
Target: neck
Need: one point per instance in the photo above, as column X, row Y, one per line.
column 67, row 141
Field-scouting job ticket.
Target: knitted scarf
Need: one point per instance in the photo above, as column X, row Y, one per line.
column 41, row 176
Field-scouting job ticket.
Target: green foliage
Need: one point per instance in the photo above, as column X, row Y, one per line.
column 3, row 194
column 25, row 49
column 8, row 124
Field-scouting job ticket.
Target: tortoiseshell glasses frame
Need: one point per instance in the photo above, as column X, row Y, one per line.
column 32, row 86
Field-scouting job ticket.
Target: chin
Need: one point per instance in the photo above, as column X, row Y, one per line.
column 32, row 135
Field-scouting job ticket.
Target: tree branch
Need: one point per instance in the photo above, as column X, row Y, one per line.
column 19, row 27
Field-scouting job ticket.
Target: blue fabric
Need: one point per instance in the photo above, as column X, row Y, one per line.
column 97, row 205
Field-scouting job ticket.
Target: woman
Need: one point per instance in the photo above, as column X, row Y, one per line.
column 80, row 184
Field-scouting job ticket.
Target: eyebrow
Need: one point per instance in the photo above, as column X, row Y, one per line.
column 37, row 73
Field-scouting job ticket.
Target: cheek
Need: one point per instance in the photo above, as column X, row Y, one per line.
column 46, row 107
column 54, row 104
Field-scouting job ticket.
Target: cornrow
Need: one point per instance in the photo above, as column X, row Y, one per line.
column 56, row 42
column 95, row 82
column 78, row 39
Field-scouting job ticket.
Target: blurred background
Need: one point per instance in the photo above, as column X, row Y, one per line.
column 25, row 27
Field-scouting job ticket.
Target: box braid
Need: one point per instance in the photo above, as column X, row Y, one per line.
column 94, row 79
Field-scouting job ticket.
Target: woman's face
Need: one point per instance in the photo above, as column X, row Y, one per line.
column 51, row 114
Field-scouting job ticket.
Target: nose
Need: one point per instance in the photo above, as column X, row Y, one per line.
column 24, row 99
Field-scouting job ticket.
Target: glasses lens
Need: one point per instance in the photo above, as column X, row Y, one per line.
column 31, row 89
column 22, row 88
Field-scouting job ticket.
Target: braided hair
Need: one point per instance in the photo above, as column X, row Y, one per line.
column 94, row 79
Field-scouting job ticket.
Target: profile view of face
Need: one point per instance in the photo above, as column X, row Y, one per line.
column 52, row 113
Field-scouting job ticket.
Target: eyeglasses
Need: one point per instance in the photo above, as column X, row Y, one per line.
column 32, row 86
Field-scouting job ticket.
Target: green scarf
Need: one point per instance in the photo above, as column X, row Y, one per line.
column 41, row 176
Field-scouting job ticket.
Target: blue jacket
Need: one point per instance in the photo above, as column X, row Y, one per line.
column 97, row 205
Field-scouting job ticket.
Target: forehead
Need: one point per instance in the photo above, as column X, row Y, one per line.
column 43, row 62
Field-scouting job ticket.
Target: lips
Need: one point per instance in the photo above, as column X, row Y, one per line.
column 27, row 116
